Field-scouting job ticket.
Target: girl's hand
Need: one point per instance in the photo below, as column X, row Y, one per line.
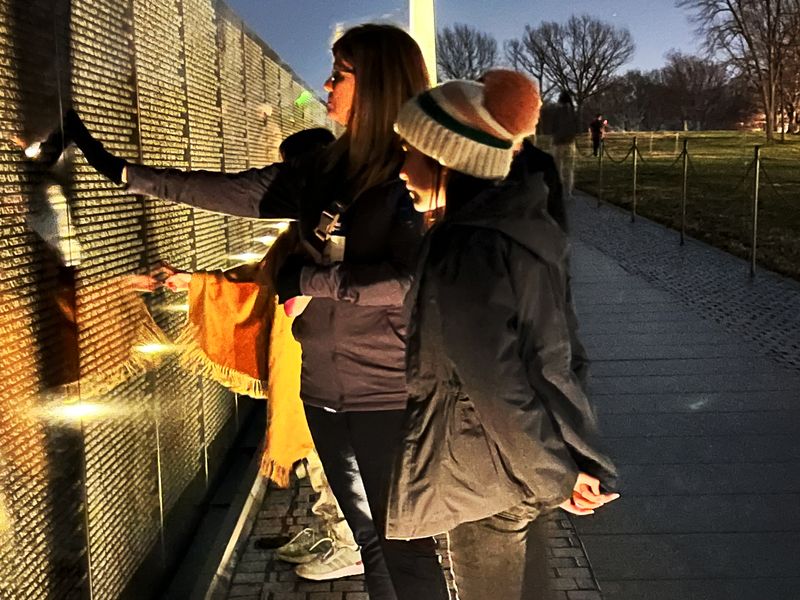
column 586, row 496
column 173, row 279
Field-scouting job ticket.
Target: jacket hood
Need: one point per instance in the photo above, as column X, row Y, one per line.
column 518, row 209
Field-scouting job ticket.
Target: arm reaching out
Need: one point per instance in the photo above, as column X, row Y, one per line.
column 273, row 191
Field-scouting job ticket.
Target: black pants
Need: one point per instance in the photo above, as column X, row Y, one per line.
column 357, row 450
column 502, row 556
column 596, row 146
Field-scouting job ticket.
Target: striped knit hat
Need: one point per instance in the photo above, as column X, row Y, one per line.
column 473, row 127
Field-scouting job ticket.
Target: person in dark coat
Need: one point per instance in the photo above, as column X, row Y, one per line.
column 361, row 235
column 597, row 129
column 565, row 130
column 498, row 429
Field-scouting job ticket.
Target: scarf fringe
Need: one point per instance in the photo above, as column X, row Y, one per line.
column 194, row 359
column 280, row 475
column 102, row 380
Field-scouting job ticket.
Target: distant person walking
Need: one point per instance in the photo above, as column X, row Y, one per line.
column 564, row 133
column 597, row 129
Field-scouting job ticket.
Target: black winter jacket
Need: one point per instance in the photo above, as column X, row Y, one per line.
column 496, row 415
column 353, row 331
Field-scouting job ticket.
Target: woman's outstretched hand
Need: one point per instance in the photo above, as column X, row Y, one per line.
column 96, row 155
column 586, row 496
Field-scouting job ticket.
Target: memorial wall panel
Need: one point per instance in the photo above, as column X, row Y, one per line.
column 101, row 429
column 121, row 483
column 204, row 120
column 41, row 541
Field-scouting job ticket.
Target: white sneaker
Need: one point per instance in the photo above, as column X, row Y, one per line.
column 306, row 546
column 334, row 564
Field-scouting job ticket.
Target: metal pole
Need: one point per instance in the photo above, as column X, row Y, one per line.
column 684, row 191
column 600, row 162
column 635, row 177
column 756, row 182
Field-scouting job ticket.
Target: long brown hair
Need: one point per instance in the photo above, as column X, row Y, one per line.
column 389, row 70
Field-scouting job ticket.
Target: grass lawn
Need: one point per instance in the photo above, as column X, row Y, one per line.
column 720, row 188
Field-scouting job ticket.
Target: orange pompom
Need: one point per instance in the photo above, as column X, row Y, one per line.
column 513, row 100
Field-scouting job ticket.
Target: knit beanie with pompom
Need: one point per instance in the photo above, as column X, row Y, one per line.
column 473, row 127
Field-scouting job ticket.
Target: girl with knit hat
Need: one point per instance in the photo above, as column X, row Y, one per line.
column 498, row 429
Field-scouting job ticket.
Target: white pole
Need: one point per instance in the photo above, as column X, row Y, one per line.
column 422, row 27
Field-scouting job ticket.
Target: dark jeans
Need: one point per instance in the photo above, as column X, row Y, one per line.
column 596, row 142
column 502, row 556
column 357, row 451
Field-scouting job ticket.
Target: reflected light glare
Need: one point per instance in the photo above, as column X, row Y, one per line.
column 81, row 410
column 152, row 349
column 34, row 150
column 246, row 257
column 267, row 240
column 176, row 308
column 75, row 412
column 282, row 226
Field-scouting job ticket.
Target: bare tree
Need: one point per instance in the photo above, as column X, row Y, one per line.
column 754, row 36
column 463, row 52
column 579, row 56
column 696, row 86
column 523, row 55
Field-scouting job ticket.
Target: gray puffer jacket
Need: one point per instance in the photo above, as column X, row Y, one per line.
column 353, row 331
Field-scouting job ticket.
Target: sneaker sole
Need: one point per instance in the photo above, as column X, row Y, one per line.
column 348, row 571
column 297, row 560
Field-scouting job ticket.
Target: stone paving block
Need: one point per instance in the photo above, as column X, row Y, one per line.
column 244, row 577
column 357, row 596
column 239, row 590
column 574, row 573
column 347, row 586
column 584, row 595
column 256, row 566
column 313, row 586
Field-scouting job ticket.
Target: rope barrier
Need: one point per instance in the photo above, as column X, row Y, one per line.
column 614, row 160
column 771, row 183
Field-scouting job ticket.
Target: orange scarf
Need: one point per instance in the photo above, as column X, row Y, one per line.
column 238, row 337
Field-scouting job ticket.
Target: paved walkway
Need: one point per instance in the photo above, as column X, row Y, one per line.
column 259, row 576
column 696, row 378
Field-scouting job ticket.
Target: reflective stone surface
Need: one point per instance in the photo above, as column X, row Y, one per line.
column 103, row 436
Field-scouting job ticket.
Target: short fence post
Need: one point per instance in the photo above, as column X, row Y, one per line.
column 756, row 185
column 600, row 163
column 635, row 177
column 684, row 191
column 677, row 136
column 651, row 141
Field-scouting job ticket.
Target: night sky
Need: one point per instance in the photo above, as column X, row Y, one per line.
column 301, row 30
